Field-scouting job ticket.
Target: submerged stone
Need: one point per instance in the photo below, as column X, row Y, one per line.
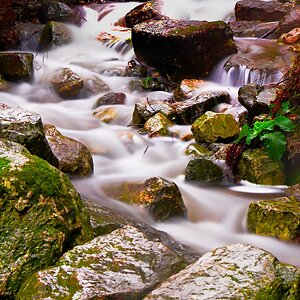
column 277, row 218
column 257, row 167
column 238, row 271
column 158, row 125
column 211, row 127
column 42, row 216
column 124, row 264
column 198, row 150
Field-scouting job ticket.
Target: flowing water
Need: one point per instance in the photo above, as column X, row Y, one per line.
column 216, row 215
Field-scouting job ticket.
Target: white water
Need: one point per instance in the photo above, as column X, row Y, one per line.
column 216, row 216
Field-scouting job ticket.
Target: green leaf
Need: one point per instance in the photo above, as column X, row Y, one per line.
column 245, row 132
column 260, row 126
column 284, row 123
column 275, row 143
column 285, row 108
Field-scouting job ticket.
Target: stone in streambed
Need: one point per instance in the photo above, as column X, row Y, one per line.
column 42, row 216
column 55, row 11
column 197, row 150
column 238, row 271
column 187, row 88
column 277, row 218
column 158, row 125
column 125, row 264
column 289, row 22
column 111, row 98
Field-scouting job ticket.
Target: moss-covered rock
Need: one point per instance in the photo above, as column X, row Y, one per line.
column 16, row 66
column 237, row 271
column 277, row 218
column 124, row 264
column 257, row 167
column 211, row 127
column 42, row 216
column 158, row 125
column 74, row 158
column 26, row 128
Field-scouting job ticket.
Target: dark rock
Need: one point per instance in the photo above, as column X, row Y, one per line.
column 149, row 84
column 30, row 36
column 16, row 66
column 266, row 11
column 42, row 216
column 95, row 85
column 55, row 11
column 238, row 271
column 289, row 22
column 27, row 10
column 7, row 14
column 158, row 125
column 277, row 218
column 66, row 83
column 26, row 128
column 111, row 99
column 74, row 158
column 186, row 112
column 203, row 170
column 174, row 39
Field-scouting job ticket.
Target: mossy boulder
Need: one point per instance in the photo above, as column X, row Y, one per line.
column 212, row 127
column 238, row 271
column 186, row 112
column 74, row 158
column 26, row 128
column 124, row 264
column 257, row 167
column 277, row 218
column 66, row 83
column 203, row 170
column 158, row 125
column 16, row 66
column 42, row 216
column 187, row 49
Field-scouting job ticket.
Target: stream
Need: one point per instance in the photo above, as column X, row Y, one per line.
column 216, row 215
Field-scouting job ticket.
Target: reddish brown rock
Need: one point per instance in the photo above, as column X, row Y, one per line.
column 289, row 22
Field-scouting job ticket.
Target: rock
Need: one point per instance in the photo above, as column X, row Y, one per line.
column 173, row 39
column 30, row 36
column 27, row 11
column 189, row 110
column 42, row 216
column 187, row 89
column 277, row 218
column 203, row 170
column 26, row 128
column 55, row 11
column 53, row 35
column 158, row 125
column 95, row 86
column 289, row 22
column 291, row 37
column 211, row 127
column 124, row 264
column 66, row 83
column 257, row 167
column 3, row 83
column 238, row 271
column 106, row 115
column 197, row 150
column 149, row 84
column 16, row 66
column 135, row 69
column 74, row 158
column 159, row 196
column 266, row 11
column 111, row 99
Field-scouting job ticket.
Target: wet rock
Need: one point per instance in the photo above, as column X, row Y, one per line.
column 291, row 37
column 142, row 112
column 189, row 110
column 30, row 36
column 277, row 218
column 111, row 99
column 55, row 11
column 173, row 39
column 149, row 84
column 3, row 83
column 289, row 22
column 27, row 11
column 158, row 125
column 26, row 128
column 187, row 89
column 53, row 35
column 94, row 86
column 74, row 158
column 197, row 150
column 16, row 66
column 124, row 264
column 267, row 11
column 238, row 271
column 106, row 115
column 203, row 170
column 135, row 69
column 159, row 196
column 42, row 216
column 211, row 127
column 257, row 167
column 66, row 83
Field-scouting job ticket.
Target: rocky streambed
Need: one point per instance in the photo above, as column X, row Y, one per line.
column 98, row 149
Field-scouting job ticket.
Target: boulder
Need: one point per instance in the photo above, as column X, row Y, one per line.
column 158, row 125
column 267, row 11
column 74, row 158
column 55, row 11
column 16, row 66
column 186, row 112
column 26, row 128
column 257, row 167
column 238, row 271
column 278, row 218
column 66, row 83
column 211, row 127
column 289, row 22
column 125, row 264
column 203, row 170
column 42, row 216
column 111, row 98
column 174, row 39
